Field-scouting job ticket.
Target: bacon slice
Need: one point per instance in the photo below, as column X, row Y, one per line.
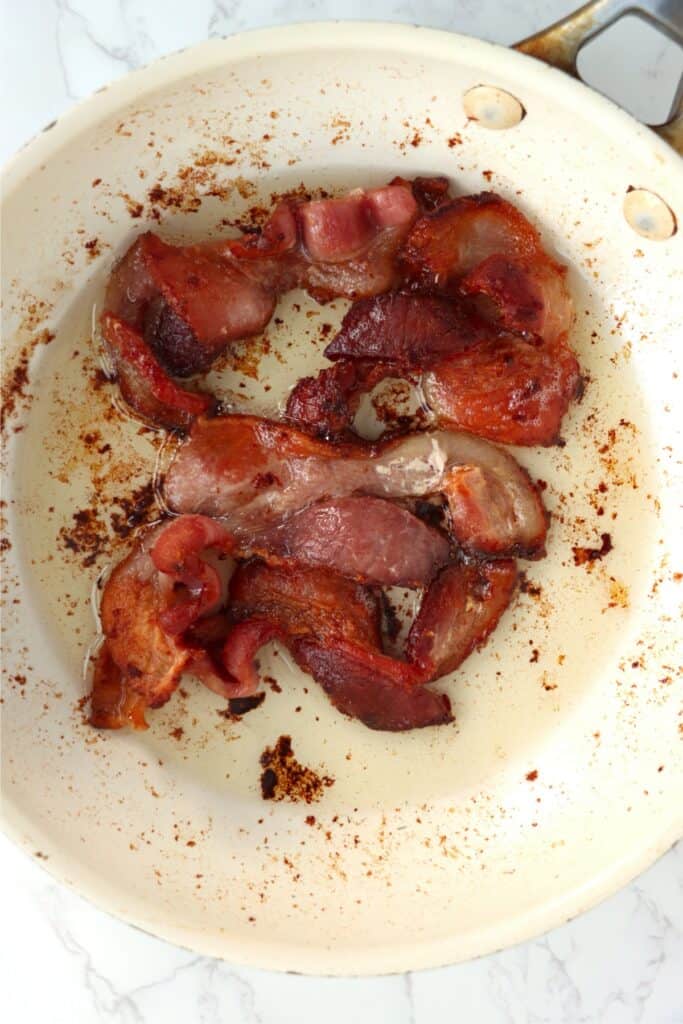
column 188, row 301
column 176, row 553
column 368, row 686
column 488, row 246
column 458, row 613
column 407, row 329
column 368, row 539
column 326, row 405
column 144, row 384
column 331, row 624
column 171, row 310
column 144, row 652
column 513, row 391
column 138, row 659
column 332, row 628
column 253, row 472
column 331, row 247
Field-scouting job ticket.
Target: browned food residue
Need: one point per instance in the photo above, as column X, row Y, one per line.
column 528, row 586
column 239, row 706
column 283, row 778
column 134, row 509
column 582, row 556
column 16, row 380
column 86, row 536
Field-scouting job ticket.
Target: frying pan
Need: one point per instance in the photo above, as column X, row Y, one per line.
column 562, row 776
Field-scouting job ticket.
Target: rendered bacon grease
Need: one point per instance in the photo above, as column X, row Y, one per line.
column 288, row 530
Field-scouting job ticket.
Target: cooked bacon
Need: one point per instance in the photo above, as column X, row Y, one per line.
column 367, row 539
column 162, row 615
column 511, row 390
column 507, row 389
column 326, row 405
column 408, row 330
column 487, row 246
column 149, row 604
column 253, row 472
column 176, row 554
column 332, row 628
column 137, row 657
column 331, row 247
column 170, row 310
column 187, row 300
column 144, row 384
column 367, row 686
column 458, row 612
column 113, row 704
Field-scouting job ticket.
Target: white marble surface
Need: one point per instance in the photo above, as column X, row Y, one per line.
column 62, row 959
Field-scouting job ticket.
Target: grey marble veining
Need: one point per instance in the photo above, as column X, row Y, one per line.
column 63, row 960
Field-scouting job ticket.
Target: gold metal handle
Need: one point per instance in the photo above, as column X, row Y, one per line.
column 559, row 44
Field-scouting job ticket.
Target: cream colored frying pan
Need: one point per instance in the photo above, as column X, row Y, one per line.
column 562, row 777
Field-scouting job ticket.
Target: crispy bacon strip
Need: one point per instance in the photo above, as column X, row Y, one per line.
column 161, row 606
column 512, row 390
column 458, row 613
column 162, row 615
column 332, row 628
column 368, row 686
column 253, row 472
column 187, row 301
column 407, row 330
column 488, row 247
column 398, row 334
column 488, row 380
column 144, row 652
column 182, row 305
column 139, row 665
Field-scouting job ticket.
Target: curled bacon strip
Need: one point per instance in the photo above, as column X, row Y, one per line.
column 144, row 384
column 458, row 613
column 488, row 244
column 139, row 665
column 187, row 301
column 492, row 277
column 176, row 553
column 145, row 652
column 331, row 624
column 332, row 628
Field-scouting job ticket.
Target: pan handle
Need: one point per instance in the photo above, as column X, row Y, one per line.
column 559, row 44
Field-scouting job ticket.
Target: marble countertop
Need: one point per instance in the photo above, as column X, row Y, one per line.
column 63, row 959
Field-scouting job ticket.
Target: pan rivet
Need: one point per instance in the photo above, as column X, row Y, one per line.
column 649, row 215
column 492, row 108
